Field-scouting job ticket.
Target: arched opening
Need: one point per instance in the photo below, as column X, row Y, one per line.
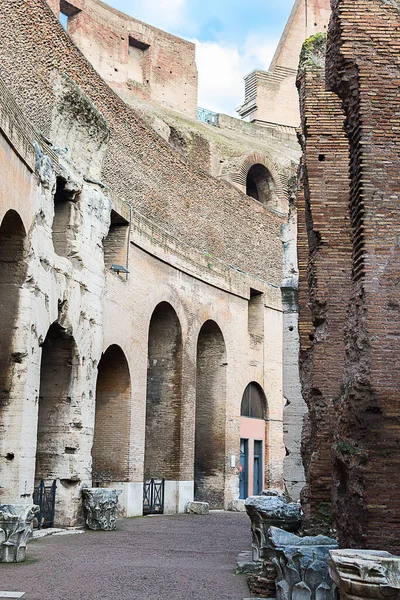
column 253, row 437
column 12, row 274
column 63, row 201
column 110, row 452
column 57, row 442
column 260, row 184
column 164, row 395
column 209, row 462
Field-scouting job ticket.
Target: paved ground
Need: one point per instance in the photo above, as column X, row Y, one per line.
column 179, row 557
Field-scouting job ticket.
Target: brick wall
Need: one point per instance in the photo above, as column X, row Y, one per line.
column 164, row 395
column 136, row 59
column 363, row 69
column 209, row 460
column 139, row 166
column 325, row 271
column 110, row 451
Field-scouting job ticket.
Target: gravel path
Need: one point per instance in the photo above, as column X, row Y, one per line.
column 179, row 557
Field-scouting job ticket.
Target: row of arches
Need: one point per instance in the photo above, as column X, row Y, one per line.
column 164, row 394
column 164, row 405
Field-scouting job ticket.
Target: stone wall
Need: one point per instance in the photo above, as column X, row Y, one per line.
column 138, row 165
column 105, row 189
column 270, row 96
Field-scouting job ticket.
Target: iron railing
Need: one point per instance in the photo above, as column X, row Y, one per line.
column 207, row 116
column 45, row 497
column 153, row 497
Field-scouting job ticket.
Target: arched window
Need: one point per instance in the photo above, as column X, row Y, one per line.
column 260, row 184
column 253, row 402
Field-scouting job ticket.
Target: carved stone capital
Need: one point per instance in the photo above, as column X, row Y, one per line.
column 267, row 510
column 302, row 566
column 101, row 508
column 15, row 530
column 365, row 574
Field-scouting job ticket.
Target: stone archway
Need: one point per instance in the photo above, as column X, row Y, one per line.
column 110, row 452
column 210, row 421
column 12, row 274
column 164, row 395
column 57, row 443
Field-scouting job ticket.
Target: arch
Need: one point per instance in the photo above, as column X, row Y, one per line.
column 110, row 451
column 260, row 184
column 164, row 395
column 210, row 419
column 254, row 402
column 55, row 443
column 12, row 275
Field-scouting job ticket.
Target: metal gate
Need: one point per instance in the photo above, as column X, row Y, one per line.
column 153, row 497
column 45, row 497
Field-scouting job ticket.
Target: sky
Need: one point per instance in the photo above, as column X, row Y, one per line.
column 232, row 38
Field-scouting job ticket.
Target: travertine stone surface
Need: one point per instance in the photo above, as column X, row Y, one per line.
column 361, row 574
column 15, row 530
column 101, row 508
column 198, row 508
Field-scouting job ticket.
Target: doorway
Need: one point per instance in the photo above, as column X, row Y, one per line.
column 244, row 469
column 257, row 468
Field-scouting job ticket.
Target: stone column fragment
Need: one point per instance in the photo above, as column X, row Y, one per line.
column 365, row 574
column 15, row 530
column 302, row 566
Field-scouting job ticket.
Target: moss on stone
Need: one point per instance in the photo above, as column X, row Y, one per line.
column 313, row 52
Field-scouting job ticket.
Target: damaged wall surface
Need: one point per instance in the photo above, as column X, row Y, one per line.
column 349, row 275
column 95, row 187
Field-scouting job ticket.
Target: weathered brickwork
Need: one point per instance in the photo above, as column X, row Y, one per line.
column 136, row 59
column 138, row 166
column 270, row 96
column 363, row 69
column 325, row 273
column 349, row 264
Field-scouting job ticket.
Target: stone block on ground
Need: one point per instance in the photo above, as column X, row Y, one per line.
column 198, row 508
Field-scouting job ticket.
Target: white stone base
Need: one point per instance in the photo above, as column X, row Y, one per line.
column 198, row 508
column 237, row 506
column 130, row 502
column 177, row 494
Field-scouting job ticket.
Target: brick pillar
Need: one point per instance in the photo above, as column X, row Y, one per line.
column 363, row 69
column 324, row 249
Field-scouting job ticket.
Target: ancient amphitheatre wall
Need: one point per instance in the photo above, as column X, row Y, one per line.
column 138, row 167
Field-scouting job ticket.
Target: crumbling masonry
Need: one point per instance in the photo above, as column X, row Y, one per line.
column 349, row 265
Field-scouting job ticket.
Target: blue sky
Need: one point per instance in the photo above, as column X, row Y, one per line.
column 232, row 38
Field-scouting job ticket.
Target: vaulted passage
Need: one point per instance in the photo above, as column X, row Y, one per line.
column 12, row 273
column 110, row 451
column 260, row 184
column 164, row 395
column 209, row 465
column 55, row 445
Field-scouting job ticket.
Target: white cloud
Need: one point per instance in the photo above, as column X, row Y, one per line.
column 222, row 67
